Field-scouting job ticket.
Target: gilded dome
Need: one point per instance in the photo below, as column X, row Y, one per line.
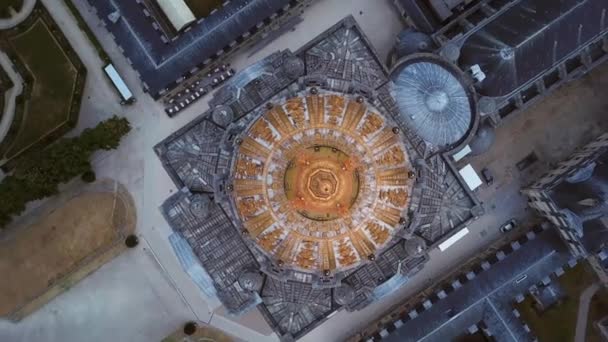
column 321, row 181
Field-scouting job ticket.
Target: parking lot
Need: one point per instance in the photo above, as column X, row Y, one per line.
column 189, row 93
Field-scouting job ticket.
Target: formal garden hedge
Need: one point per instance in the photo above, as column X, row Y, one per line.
column 38, row 173
column 5, row 85
column 56, row 98
column 6, row 4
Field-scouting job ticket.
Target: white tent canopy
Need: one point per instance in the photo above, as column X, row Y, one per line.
column 178, row 13
column 470, row 177
column 453, row 239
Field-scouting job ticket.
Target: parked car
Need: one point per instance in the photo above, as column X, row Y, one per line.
column 527, row 161
column 508, row 226
column 171, row 111
column 487, row 176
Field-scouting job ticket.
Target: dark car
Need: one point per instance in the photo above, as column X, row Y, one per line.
column 487, row 176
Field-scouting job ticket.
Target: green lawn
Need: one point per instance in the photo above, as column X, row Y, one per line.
column 6, row 4
column 558, row 324
column 48, row 105
column 202, row 8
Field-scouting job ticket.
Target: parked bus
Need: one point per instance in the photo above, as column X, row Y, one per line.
column 119, row 84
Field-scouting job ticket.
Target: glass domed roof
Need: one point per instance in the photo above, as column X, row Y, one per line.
column 432, row 101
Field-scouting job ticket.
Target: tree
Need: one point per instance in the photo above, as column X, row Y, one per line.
column 88, row 176
column 38, row 174
column 106, row 135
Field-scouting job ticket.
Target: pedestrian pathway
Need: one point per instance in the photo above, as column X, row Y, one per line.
column 28, row 6
column 583, row 311
column 10, row 95
column 6, row 64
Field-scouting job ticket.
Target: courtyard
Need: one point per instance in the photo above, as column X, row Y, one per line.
column 577, row 108
column 60, row 243
column 558, row 323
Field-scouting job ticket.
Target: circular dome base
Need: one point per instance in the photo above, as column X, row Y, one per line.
column 320, row 181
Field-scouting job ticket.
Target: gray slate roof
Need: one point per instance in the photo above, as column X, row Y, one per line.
column 160, row 64
column 488, row 297
column 529, row 39
column 193, row 160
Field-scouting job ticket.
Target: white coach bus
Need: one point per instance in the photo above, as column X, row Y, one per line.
column 119, row 84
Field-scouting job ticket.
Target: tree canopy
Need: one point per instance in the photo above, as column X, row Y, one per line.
column 38, row 174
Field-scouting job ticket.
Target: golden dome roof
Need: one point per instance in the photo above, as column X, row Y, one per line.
column 320, row 182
